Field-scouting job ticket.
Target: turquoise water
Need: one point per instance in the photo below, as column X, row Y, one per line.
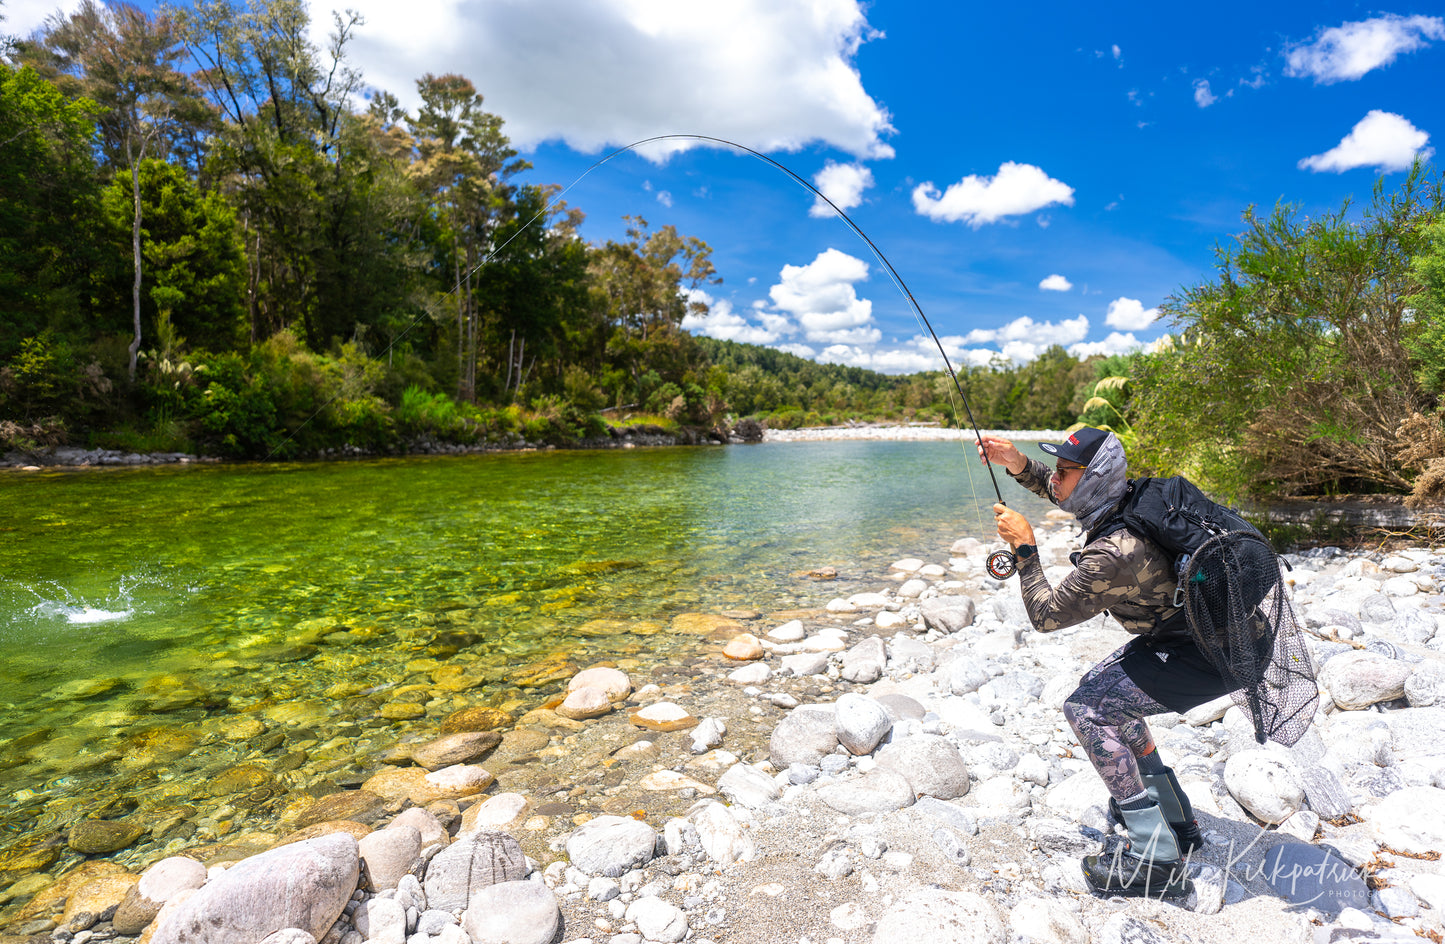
column 181, row 597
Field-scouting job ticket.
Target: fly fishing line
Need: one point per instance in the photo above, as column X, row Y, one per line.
column 1001, row 564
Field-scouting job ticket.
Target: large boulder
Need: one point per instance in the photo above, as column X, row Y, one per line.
column 948, row 614
column 303, row 885
column 803, row 737
column 939, row 916
column 388, row 854
column 1265, row 784
column 513, row 913
column 1402, row 822
column 468, row 865
column 611, row 845
column 930, row 764
column 1359, row 679
column 158, row 885
column 860, row 723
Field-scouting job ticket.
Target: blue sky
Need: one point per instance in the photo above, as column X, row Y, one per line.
column 1037, row 175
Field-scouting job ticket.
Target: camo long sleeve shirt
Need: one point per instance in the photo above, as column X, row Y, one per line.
column 1122, row 573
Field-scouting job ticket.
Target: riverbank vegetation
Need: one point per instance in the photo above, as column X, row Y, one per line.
column 237, row 259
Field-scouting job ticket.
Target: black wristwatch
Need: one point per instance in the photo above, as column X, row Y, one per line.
column 1024, row 551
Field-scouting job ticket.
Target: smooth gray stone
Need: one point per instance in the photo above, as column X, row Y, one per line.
column 513, row 913
column 611, row 845
column 901, row 707
column 860, row 723
column 381, row 920
column 864, row 662
column 747, row 785
column 432, row 922
column 966, row 675
column 388, row 854
column 949, row 814
column 931, row 764
column 1307, row 876
column 906, row 654
column 805, row 736
column 878, row 791
column 303, row 885
column 806, row 663
column 948, row 614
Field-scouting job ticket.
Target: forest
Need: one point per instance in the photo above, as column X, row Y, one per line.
column 207, row 246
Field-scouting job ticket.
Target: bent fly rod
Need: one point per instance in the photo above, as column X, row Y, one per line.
column 1001, row 564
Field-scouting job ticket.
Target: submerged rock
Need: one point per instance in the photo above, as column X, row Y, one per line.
column 97, row 836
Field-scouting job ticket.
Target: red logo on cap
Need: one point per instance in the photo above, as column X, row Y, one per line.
column 1074, row 439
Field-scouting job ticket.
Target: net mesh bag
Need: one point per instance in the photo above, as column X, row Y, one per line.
column 1243, row 623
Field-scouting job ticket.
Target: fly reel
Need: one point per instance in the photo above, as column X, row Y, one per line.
column 1002, row 565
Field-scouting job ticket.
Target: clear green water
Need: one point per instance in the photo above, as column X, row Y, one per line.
column 177, row 598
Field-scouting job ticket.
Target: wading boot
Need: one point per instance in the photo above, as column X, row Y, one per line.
column 1164, row 789
column 1149, row 865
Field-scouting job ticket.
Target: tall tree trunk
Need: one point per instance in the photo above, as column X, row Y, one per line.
column 135, row 250
column 511, row 351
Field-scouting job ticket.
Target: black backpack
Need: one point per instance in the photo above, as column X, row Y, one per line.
column 1175, row 515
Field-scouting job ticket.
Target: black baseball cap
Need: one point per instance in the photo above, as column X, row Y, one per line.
column 1079, row 447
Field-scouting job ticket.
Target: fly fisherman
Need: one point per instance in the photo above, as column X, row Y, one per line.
column 1159, row 670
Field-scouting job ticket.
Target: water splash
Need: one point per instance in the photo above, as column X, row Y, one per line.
column 56, row 603
column 77, row 614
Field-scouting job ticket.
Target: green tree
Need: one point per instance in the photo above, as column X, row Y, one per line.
column 1426, row 323
column 192, row 249
column 125, row 60
column 464, row 164
column 643, row 284
column 1291, row 372
column 47, row 207
column 290, row 158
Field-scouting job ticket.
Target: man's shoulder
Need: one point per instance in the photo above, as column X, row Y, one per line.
column 1124, row 544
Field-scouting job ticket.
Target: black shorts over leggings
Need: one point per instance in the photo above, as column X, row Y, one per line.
column 1177, row 676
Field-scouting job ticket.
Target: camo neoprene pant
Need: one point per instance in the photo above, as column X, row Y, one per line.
column 1107, row 713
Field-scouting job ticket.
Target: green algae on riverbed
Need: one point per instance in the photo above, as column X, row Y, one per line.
column 165, row 627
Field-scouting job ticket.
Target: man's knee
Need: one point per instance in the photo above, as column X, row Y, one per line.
column 1078, row 706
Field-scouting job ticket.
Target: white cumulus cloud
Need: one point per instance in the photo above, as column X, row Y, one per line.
column 1115, row 343
column 1026, row 329
column 1203, row 97
column 1381, row 139
column 820, row 297
column 1347, row 52
column 23, row 17
column 1056, row 283
column 843, row 184
column 1129, row 314
column 769, row 74
column 720, row 321
column 1016, row 189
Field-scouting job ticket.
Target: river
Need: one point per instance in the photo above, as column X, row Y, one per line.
column 162, row 624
